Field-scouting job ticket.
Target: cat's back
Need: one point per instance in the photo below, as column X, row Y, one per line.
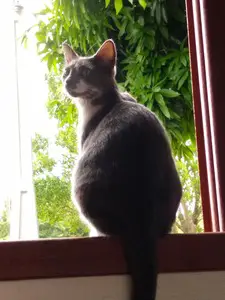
column 132, row 121
column 130, row 136
column 128, row 157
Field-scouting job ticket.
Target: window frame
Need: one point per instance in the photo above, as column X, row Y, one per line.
column 81, row 257
column 177, row 253
column 205, row 47
column 199, row 131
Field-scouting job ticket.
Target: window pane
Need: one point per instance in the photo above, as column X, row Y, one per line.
column 154, row 67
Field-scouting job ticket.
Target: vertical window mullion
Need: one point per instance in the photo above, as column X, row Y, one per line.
column 213, row 24
column 201, row 112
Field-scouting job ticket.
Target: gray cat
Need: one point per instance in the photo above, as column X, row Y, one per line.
column 125, row 181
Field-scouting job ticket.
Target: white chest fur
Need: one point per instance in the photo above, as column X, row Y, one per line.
column 85, row 112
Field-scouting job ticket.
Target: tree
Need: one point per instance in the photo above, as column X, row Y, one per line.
column 4, row 222
column 42, row 163
column 189, row 217
column 153, row 61
column 153, row 64
column 57, row 215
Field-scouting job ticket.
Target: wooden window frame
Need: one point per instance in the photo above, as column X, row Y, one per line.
column 177, row 253
column 207, row 65
column 103, row 256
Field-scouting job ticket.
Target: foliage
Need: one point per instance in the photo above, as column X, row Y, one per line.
column 4, row 223
column 153, row 61
column 153, row 64
column 57, row 215
column 189, row 217
column 42, row 163
column 119, row 4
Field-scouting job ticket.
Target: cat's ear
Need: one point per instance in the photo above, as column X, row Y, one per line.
column 107, row 53
column 69, row 53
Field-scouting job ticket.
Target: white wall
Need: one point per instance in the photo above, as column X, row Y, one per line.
column 184, row 286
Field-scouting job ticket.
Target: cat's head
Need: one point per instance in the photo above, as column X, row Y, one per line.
column 89, row 77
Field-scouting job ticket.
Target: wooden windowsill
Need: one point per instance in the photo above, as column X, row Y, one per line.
column 103, row 256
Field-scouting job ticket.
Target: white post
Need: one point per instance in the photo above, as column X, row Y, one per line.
column 23, row 219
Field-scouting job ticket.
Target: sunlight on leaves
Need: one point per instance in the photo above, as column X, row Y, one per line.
column 118, row 5
column 107, row 3
column 143, row 3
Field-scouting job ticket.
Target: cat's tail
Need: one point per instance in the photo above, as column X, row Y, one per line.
column 141, row 257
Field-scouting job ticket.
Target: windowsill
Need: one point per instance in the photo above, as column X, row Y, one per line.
column 103, row 256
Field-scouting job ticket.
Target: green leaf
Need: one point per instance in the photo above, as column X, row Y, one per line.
column 76, row 20
column 158, row 14
column 122, row 29
column 162, row 105
column 118, row 5
column 164, row 14
column 131, row 1
column 153, row 8
column 156, row 89
column 164, row 32
column 183, row 60
column 183, row 79
column 143, row 3
column 186, row 94
column 141, row 21
column 40, row 37
column 50, row 62
column 107, row 3
column 176, row 133
column 169, row 93
column 150, row 101
column 117, row 23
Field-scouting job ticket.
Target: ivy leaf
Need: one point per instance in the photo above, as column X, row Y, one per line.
column 143, row 3
column 107, row 3
column 169, row 93
column 162, row 105
column 118, row 5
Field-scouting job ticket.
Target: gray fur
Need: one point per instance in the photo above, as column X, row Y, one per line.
column 125, row 182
